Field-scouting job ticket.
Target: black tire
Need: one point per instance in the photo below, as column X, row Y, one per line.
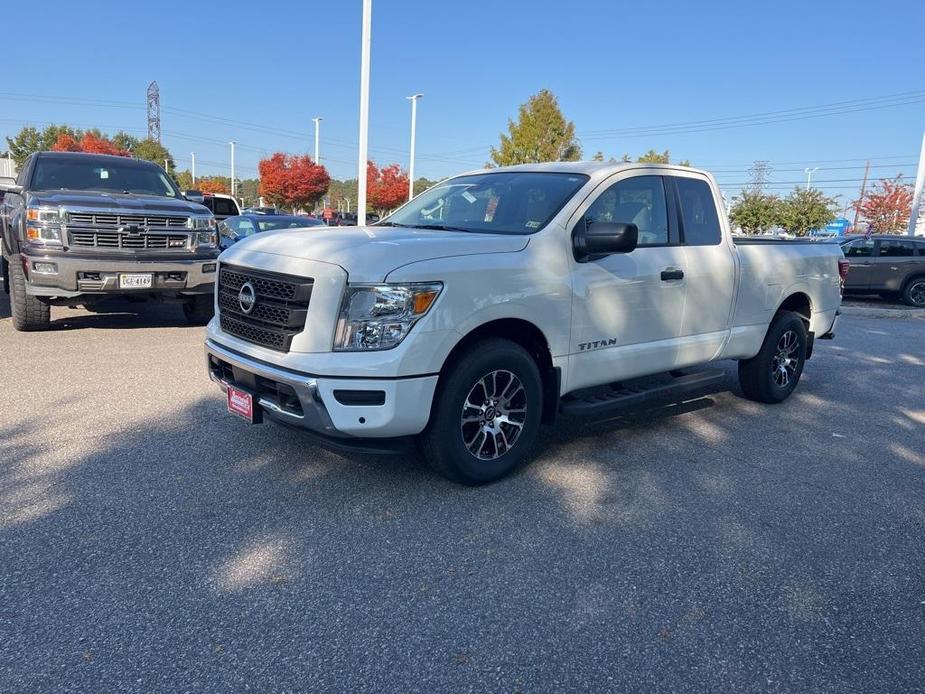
column 914, row 292
column 772, row 375
column 489, row 456
column 199, row 309
column 29, row 313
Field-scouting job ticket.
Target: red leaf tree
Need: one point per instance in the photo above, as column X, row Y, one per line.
column 210, row 185
column 88, row 142
column 292, row 181
column 386, row 188
column 888, row 206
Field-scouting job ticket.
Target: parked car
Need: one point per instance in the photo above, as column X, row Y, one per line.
column 499, row 299
column 234, row 229
column 261, row 210
column 77, row 228
column 221, row 205
column 890, row 265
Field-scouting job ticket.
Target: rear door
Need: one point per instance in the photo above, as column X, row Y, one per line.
column 892, row 264
column 709, row 269
column 860, row 255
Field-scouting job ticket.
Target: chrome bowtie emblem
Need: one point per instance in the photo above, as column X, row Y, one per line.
column 247, row 297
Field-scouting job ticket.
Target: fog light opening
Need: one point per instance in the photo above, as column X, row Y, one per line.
column 45, row 268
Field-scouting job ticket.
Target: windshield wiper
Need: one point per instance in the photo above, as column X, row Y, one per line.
column 436, row 227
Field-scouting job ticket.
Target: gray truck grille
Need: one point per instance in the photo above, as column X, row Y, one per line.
column 116, row 240
column 95, row 219
column 278, row 314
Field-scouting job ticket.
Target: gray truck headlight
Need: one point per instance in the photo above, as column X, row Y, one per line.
column 43, row 225
column 375, row 317
column 204, row 226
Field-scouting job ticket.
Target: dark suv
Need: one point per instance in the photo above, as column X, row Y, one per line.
column 77, row 228
column 887, row 265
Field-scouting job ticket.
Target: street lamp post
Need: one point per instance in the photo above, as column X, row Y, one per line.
column 233, row 187
column 317, row 122
column 809, row 175
column 364, row 111
column 192, row 156
column 414, row 120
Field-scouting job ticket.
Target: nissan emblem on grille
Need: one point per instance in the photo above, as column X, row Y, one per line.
column 247, row 297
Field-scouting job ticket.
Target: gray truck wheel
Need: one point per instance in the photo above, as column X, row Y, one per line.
column 914, row 292
column 486, row 413
column 199, row 309
column 29, row 312
column 772, row 374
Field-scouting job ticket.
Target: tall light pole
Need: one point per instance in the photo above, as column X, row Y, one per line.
column 809, row 175
column 317, row 122
column 192, row 156
column 166, row 168
column 917, row 194
column 233, row 191
column 414, row 121
column 364, row 111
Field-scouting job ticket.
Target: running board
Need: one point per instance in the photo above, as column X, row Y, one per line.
column 637, row 393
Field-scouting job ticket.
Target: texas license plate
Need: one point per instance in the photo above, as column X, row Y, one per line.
column 135, row 280
column 241, row 403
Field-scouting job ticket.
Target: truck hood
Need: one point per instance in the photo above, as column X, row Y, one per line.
column 370, row 253
column 129, row 202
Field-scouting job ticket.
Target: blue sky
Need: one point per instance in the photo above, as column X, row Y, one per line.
column 272, row 66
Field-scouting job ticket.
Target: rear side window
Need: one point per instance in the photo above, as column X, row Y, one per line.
column 639, row 200
column 698, row 212
column 862, row 248
column 894, row 248
column 223, row 206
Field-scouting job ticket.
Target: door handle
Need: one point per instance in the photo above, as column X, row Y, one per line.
column 672, row 273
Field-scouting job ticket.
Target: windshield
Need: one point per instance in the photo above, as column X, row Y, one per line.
column 505, row 202
column 75, row 174
column 285, row 223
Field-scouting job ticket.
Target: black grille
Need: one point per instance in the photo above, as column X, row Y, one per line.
column 114, row 239
column 278, row 314
column 94, row 219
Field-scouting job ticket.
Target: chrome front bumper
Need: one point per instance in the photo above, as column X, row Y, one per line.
column 69, row 279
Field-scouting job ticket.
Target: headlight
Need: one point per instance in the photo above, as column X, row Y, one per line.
column 206, row 222
column 204, row 225
column 377, row 317
column 43, row 225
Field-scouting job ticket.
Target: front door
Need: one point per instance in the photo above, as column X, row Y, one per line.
column 627, row 307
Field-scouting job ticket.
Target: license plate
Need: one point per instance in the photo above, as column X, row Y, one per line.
column 241, row 403
column 135, row 281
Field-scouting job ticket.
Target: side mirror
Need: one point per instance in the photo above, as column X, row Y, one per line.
column 10, row 188
column 603, row 238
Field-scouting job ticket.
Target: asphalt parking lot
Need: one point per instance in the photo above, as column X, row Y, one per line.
column 150, row 542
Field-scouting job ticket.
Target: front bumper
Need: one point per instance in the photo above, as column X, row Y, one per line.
column 76, row 276
column 344, row 410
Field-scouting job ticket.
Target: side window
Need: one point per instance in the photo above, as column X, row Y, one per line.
column 223, row 206
column 894, row 248
column 698, row 212
column 640, row 201
column 861, row 248
column 246, row 227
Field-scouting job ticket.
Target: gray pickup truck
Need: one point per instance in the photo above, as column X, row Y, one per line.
column 78, row 228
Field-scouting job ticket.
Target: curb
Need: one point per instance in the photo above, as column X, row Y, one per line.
column 877, row 312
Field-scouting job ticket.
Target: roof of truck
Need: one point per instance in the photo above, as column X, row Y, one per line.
column 589, row 167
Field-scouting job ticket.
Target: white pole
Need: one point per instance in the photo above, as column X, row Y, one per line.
column 193, row 159
column 917, row 195
column 166, row 168
column 317, row 124
column 364, row 111
column 232, row 168
column 809, row 175
column 414, row 120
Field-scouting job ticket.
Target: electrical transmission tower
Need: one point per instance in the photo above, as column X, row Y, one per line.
column 154, row 112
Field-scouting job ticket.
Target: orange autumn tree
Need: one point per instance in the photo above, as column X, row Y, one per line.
column 211, row 185
column 88, row 142
column 386, row 188
column 888, row 206
column 292, row 181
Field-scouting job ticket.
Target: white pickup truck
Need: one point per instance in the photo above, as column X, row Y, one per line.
column 501, row 298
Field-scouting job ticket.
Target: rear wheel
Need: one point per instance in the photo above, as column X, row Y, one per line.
column 772, row 374
column 30, row 313
column 486, row 414
column 914, row 292
column 199, row 309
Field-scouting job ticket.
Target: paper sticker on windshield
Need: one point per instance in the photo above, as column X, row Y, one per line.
column 490, row 209
column 104, row 173
column 468, row 196
column 533, row 225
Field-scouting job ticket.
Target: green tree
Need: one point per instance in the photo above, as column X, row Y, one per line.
column 653, row 157
column 540, row 134
column 754, row 211
column 598, row 156
column 30, row 140
column 150, row 150
column 806, row 209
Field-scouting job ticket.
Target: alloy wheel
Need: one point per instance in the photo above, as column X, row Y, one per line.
column 493, row 415
column 784, row 362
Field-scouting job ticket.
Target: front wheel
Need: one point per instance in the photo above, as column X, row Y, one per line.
column 772, row 374
column 914, row 292
column 199, row 309
column 486, row 413
column 29, row 312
